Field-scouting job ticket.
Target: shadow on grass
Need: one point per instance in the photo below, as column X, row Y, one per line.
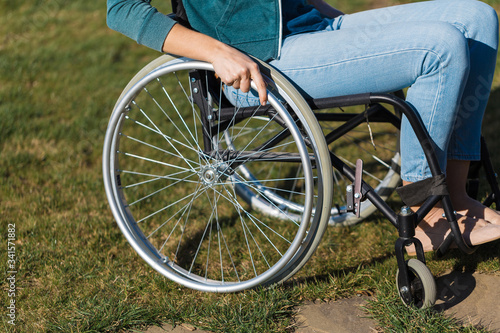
column 340, row 272
column 188, row 247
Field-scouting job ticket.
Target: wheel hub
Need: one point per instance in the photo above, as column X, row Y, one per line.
column 209, row 176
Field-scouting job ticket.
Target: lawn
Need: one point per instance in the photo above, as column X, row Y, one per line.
column 70, row 269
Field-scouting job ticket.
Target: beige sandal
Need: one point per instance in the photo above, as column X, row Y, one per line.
column 474, row 232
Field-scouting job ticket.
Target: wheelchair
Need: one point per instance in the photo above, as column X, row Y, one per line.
column 223, row 197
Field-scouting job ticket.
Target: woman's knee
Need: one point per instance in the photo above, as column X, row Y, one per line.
column 479, row 11
column 479, row 21
column 446, row 45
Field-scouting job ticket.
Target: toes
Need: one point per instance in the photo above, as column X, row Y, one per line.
column 467, row 222
column 482, row 234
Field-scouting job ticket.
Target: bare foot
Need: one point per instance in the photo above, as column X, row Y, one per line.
column 434, row 228
column 467, row 206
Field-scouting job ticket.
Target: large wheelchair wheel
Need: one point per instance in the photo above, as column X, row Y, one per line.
column 174, row 164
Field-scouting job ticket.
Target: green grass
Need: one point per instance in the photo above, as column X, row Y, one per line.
column 61, row 70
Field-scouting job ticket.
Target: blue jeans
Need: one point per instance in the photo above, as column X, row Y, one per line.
column 443, row 50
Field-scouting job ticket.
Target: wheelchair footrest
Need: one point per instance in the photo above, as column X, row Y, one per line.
column 354, row 194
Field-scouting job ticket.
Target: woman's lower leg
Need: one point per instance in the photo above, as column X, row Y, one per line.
column 456, row 176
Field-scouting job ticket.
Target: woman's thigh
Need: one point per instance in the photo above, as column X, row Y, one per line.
column 346, row 61
column 475, row 19
column 395, row 40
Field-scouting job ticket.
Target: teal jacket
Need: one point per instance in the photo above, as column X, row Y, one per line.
column 256, row 27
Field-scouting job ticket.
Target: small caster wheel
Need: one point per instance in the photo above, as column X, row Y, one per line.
column 422, row 284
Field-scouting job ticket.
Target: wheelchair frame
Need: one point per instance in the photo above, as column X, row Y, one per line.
column 405, row 220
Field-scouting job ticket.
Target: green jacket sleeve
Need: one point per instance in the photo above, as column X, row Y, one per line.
column 140, row 21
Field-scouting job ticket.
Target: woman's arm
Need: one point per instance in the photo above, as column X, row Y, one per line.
column 140, row 21
column 325, row 8
column 233, row 67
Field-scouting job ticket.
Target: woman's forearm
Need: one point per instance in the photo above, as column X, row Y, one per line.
column 189, row 43
column 232, row 66
column 140, row 21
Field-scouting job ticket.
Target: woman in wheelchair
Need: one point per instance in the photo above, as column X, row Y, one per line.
column 445, row 51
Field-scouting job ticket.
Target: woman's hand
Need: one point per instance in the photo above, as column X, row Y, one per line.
column 238, row 70
column 232, row 66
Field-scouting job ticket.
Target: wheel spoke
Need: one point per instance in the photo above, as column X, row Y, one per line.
column 155, row 147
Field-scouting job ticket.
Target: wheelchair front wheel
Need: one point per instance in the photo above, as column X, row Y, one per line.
column 422, row 284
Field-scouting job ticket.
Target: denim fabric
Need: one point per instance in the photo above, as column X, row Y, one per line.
column 444, row 50
column 302, row 19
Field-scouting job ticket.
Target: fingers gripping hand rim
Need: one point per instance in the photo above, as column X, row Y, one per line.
column 242, row 78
